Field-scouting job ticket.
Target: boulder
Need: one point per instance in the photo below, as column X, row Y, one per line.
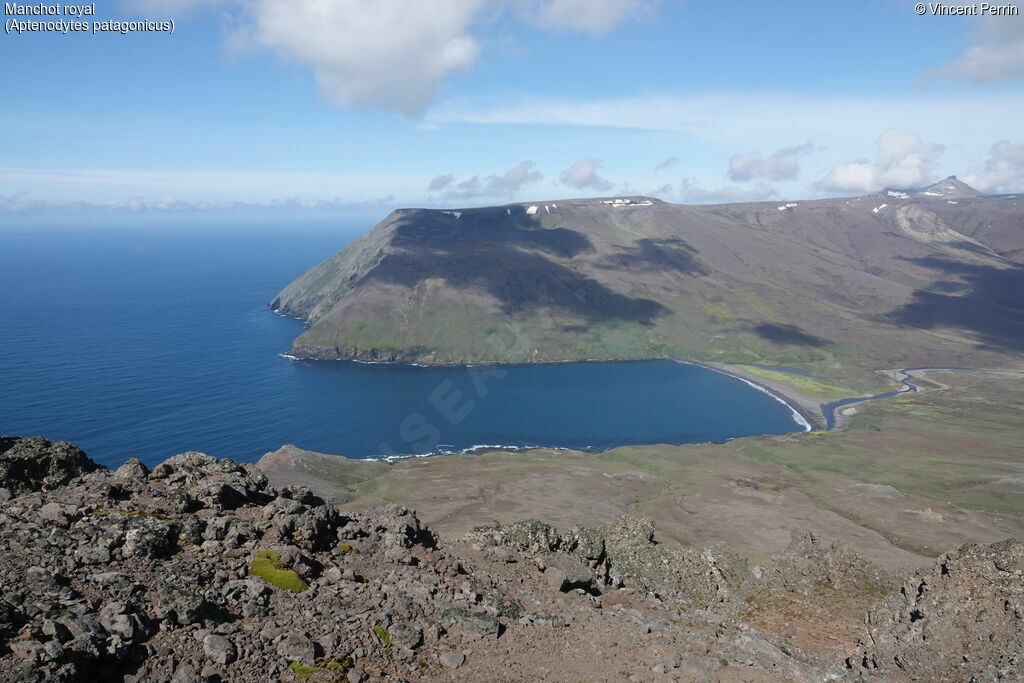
column 132, row 469
column 32, row 463
column 150, row 537
column 452, row 660
column 566, row 572
column 405, row 635
column 219, row 649
column 470, row 622
column 297, row 647
column 61, row 514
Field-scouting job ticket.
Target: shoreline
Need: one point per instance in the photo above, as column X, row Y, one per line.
column 807, row 411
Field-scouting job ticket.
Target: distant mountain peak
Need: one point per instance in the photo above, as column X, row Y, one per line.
column 950, row 187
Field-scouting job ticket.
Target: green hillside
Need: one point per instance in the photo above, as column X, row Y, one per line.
column 833, row 286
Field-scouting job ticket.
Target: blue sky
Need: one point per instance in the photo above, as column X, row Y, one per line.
column 311, row 105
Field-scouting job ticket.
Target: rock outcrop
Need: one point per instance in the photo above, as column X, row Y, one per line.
column 200, row 570
column 961, row 619
column 33, row 463
column 625, row 553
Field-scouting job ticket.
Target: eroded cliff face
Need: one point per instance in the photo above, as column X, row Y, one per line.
column 200, row 569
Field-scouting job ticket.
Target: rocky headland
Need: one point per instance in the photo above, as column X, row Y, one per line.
column 836, row 287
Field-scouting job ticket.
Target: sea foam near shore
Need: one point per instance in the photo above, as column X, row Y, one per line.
column 798, row 417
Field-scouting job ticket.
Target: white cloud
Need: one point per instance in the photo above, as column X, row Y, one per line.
column 500, row 186
column 440, row 182
column 388, row 54
column 691, row 191
column 904, row 160
column 594, row 17
column 1004, row 170
column 515, row 178
column 470, row 188
column 583, row 175
column 996, row 55
column 19, row 202
column 779, row 165
column 391, row 54
column 666, row 164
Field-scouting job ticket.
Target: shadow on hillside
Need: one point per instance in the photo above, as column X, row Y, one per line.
column 655, row 256
column 512, row 257
column 787, row 334
column 976, row 248
column 487, row 227
column 989, row 301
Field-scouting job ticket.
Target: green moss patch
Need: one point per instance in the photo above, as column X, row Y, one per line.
column 330, row 668
column 301, row 670
column 382, row 633
column 267, row 565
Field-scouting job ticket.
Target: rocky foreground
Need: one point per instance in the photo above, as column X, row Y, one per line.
column 200, row 570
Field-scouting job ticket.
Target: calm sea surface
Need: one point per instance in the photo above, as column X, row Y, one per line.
column 149, row 343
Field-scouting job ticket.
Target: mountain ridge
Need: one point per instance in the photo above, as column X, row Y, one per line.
column 949, row 187
column 826, row 283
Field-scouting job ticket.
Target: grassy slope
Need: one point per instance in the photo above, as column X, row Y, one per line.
column 810, row 386
column 964, row 447
column 824, row 288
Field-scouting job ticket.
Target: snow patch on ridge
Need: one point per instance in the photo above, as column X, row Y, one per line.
column 623, row 202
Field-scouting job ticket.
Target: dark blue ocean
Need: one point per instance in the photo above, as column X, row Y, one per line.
column 149, row 342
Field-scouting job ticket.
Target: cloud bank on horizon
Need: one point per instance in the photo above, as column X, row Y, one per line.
column 307, row 103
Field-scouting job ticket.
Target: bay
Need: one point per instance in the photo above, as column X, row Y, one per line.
column 151, row 342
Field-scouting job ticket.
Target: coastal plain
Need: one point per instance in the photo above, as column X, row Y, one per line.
column 907, row 478
column 830, row 305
